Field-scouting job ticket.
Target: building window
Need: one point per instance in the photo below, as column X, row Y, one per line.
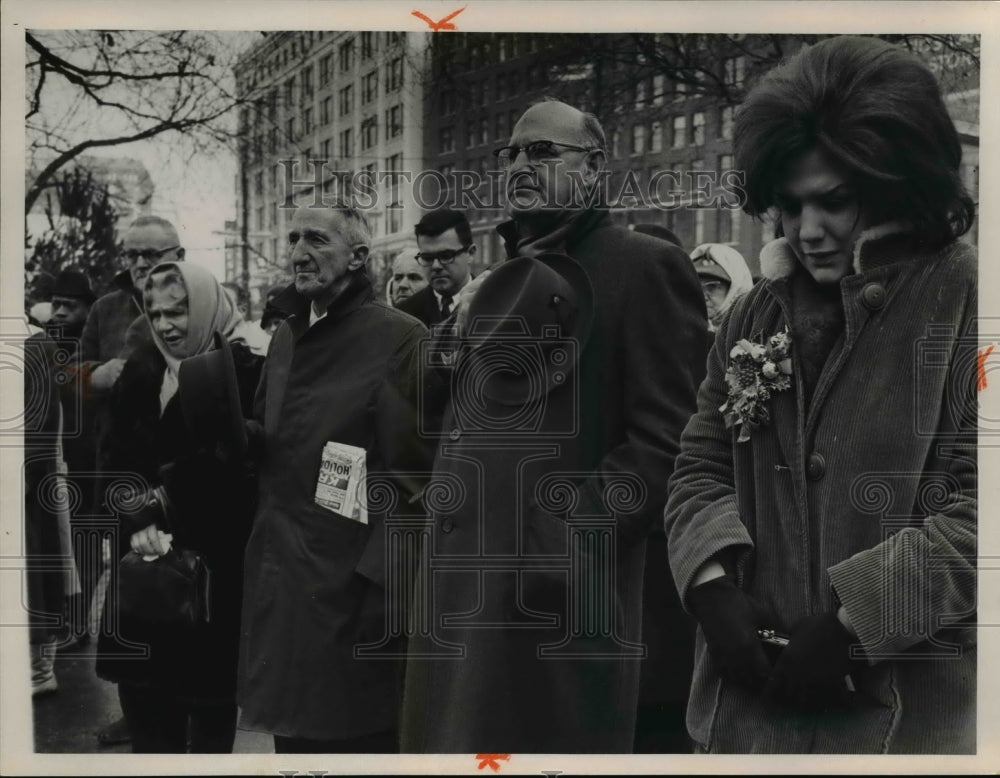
column 656, row 137
column 502, row 47
column 501, row 88
column 369, row 132
column 734, row 71
column 307, row 82
column 447, row 102
column 501, row 127
column 616, row 142
column 290, row 92
column 258, row 183
column 369, row 88
column 699, row 226
column 290, row 129
column 328, row 149
column 680, row 129
column 484, row 131
column 698, row 129
column 347, row 143
column 680, row 90
column 471, row 133
column 394, row 75
column 260, row 219
column 273, row 139
column 394, row 121
column 638, row 139
column 513, row 84
column 347, row 55
column 447, row 137
column 325, row 111
column 272, row 217
column 640, row 95
column 325, row 66
column 659, row 89
column 346, row 100
column 307, row 121
column 726, row 122
column 367, row 45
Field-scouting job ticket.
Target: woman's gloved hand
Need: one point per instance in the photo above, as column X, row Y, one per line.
column 730, row 619
column 812, row 671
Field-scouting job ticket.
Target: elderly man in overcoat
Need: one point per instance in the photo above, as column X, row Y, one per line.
column 540, row 506
column 342, row 368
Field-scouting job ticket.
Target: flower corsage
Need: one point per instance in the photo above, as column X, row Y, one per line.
column 755, row 372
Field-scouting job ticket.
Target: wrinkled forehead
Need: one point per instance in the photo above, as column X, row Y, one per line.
column 153, row 236
column 322, row 220
column 405, row 265
column 549, row 121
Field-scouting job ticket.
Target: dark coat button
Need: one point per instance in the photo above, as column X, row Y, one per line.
column 455, row 434
column 873, row 296
column 447, row 525
column 815, row 466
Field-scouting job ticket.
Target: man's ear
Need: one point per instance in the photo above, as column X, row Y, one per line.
column 472, row 250
column 359, row 258
column 180, row 254
column 596, row 162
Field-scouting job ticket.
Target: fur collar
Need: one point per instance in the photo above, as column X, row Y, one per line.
column 777, row 260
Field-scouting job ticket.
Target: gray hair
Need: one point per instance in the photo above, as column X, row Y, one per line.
column 156, row 221
column 593, row 132
column 354, row 226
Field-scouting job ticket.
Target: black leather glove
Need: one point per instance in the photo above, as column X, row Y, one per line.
column 811, row 671
column 730, row 619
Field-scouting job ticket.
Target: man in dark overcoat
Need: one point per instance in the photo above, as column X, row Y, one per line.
column 539, row 512
column 342, row 368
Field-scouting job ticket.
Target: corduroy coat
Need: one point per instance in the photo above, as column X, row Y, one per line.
column 866, row 498
column 532, row 640
column 315, row 581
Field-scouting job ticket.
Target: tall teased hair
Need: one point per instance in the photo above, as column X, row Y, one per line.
column 878, row 111
column 434, row 223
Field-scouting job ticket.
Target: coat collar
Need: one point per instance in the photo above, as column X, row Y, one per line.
column 873, row 249
column 586, row 221
column 358, row 291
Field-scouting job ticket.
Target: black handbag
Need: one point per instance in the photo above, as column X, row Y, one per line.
column 170, row 591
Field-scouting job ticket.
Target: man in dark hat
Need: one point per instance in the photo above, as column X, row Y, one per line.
column 561, row 430
column 71, row 301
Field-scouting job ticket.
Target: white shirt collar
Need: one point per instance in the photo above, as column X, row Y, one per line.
column 313, row 316
column 437, row 294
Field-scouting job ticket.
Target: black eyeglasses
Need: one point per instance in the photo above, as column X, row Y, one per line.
column 538, row 151
column 445, row 257
column 148, row 254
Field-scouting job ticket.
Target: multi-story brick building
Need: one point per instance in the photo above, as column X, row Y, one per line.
column 324, row 106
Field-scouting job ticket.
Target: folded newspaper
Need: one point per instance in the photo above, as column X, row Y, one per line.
column 342, row 481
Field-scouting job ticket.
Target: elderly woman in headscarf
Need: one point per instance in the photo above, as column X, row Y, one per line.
column 724, row 277
column 822, row 512
column 176, row 685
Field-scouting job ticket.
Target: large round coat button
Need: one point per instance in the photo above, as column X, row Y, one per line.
column 455, row 434
column 873, row 296
column 447, row 525
column 815, row 466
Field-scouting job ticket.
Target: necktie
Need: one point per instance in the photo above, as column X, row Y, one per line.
column 445, row 306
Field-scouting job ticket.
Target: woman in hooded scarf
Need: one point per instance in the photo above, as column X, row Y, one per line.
column 724, row 277
column 177, row 685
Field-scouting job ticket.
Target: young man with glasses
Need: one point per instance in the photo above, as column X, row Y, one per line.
column 444, row 241
column 149, row 241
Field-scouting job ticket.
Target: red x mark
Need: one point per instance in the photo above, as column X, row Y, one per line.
column 981, row 368
column 490, row 760
column 441, row 24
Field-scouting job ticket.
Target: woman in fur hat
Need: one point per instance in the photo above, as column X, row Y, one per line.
column 822, row 514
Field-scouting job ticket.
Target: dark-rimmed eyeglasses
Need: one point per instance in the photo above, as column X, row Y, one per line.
column 147, row 254
column 445, row 257
column 537, row 151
